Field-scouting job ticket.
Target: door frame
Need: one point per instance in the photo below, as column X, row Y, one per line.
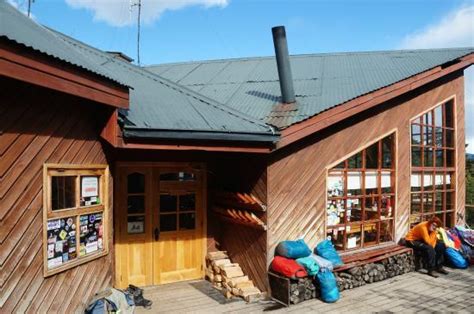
column 201, row 166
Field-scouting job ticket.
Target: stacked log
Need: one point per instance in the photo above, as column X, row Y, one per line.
column 373, row 272
column 302, row 289
column 229, row 278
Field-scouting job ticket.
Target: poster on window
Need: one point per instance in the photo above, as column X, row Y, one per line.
column 61, row 241
column 91, row 233
column 90, row 191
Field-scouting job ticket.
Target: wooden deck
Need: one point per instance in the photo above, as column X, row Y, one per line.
column 409, row 293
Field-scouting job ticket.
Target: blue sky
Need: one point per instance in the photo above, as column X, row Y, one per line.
column 184, row 30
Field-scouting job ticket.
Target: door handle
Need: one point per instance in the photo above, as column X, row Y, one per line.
column 157, row 234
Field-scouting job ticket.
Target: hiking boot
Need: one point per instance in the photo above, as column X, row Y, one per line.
column 443, row 271
column 432, row 274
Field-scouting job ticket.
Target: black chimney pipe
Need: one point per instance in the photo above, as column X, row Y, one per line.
column 283, row 64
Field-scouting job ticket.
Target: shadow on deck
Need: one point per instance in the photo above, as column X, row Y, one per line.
column 413, row 292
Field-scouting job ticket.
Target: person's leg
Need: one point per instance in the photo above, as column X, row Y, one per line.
column 439, row 250
column 428, row 253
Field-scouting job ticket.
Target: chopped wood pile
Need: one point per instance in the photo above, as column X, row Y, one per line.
column 302, row 289
column 372, row 272
column 229, row 278
column 240, row 208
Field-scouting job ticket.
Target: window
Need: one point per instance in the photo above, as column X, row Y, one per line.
column 361, row 197
column 433, row 166
column 75, row 215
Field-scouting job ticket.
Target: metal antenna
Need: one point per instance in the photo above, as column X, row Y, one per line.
column 29, row 6
column 139, row 4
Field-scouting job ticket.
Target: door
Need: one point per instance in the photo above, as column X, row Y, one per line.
column 178, row 226
column 159, row 224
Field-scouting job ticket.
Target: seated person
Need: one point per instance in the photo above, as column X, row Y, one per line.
column 422, row 238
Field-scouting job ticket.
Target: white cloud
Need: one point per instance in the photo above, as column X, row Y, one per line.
column 456, row 29
column 122, row 13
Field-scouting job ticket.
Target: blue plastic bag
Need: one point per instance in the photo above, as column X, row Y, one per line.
column 309, row 264
column 322, row 262
column 328, row 286
column 455, row 259
column 293, row 249
column 326, row 249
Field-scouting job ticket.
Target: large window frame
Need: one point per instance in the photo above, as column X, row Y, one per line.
column 433, row 163
column 81, row 209
column 385, row 213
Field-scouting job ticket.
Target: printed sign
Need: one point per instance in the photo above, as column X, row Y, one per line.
column 54, row 224
column 55, row 262
column 89, row 186
column 135, row 226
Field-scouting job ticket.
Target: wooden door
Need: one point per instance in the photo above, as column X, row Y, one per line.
column 133, row 227
column 159, row 222
column 178, row 225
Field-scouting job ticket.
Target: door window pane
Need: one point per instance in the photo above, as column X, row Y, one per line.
column 168, row 203
column 187, row 202
column 187, row 221
column 63, row 192
column 136, row 204
column 136, row 183
column 168, row 222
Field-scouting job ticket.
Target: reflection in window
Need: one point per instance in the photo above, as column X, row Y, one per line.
column 361, row 194
column 177, row 176
column 136, row 204
column 136, row 183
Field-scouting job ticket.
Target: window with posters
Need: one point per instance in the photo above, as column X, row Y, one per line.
column 75, row 215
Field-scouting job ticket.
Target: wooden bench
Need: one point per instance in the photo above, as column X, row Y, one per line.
column 371, row 256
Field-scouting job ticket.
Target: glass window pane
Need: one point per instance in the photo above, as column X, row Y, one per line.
column 386, row 208
column 415, row 203
column 370, row 234
column 63, row 192
column 438, row 116
column 449, row 138
column 449, row 200
column 168, row 222
column 354, row 183
column 449, row 181
column 353, row 236
column 168, row 203
column 428, row 203
column 449, row 114
column 416, row 156
column 177, row 176
column 441, row 217
column 439, row 201
column 414, row 220
column 371, row 156
column 61, row 241
column 386, row 182
column 428, row 182
column 135, row 224
column 371, row 208
column 354, row 209
column 415, row 134
column 335, row 184
column 136, row 183
column 355, row 162
column 187, row 202
column 428, row 157
column 449, row 219
column 89, row 191
column 386, row 231
column 340, row 166
column 449, row 158
column 136, row 204
column 91, row 233
column 416, row 181
column 439, row 158
column 428, row 118
column 335, row 212
column 387, row 152
column 371, row 182
column 439, row 180
column 427, row 135
column 438, row 137
column 187, row 221
column 336, row 236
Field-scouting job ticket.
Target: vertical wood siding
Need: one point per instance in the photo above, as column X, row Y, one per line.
column 42, row 127
column 297, row 175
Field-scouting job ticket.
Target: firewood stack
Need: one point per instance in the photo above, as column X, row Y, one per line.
column 372, row 272
column 302, row 289
column 229, row 278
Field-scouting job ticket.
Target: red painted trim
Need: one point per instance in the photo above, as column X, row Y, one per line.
column 36, row 69
column 350, row 108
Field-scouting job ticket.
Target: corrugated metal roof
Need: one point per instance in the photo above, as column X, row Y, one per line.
column 17, row 27
column 160, row 104
column 156, row 103
column 321, row 81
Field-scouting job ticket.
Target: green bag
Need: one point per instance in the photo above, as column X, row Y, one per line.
column 309, row 264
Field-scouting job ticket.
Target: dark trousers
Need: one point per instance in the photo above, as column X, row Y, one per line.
column 433, row 258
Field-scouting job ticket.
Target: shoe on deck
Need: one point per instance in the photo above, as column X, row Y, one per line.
column 443, row 271
column 432, row 274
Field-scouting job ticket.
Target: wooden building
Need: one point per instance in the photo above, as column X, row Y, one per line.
column 112, row 174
